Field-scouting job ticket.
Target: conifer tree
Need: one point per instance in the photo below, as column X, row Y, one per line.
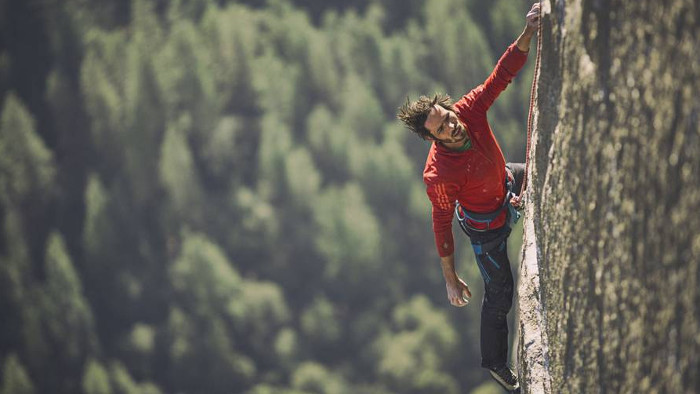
column 15, row 379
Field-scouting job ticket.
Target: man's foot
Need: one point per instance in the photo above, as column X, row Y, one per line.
column 505, row 377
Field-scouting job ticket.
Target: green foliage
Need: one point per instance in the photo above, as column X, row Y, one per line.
column 121, row 380
column 183, row 77
column 348, row 237
column 449, row 29
column 202, row 354
column 314, row 378
column 275, row 143
column 303, row 179
column 287, row 347
column 401, row 58
column 286, row 28
column 275, row 81
column 487, row 388
column 219, row 147
column 26, row 165
column 4, row 72
column 66, row 313
column 329, row 142
column 384, row 169
column 269, row 389
column 96, row 378
column 179, row 175
column 506, row 22
column 257, row 224
column 202, row 277
column 238, row 209
column 260, row 312
column 413, row 357
column 14, row 263
column 231, row 35
column 361, row 111
column 99, row 230
column 319, row 322
column 357, row 43
column 15, row 379
column 322, row 69
column 142, row 338
column 149, row 388
column 100, row 79
column 185, row 10
column 145, row 23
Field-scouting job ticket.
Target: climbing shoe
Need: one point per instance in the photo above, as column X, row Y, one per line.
column 505, row 377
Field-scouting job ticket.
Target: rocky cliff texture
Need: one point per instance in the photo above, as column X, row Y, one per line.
column 609, row 297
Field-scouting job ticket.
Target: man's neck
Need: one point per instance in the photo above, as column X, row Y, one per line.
column 459, row 146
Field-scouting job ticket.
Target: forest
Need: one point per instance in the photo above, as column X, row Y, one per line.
column 215, row 196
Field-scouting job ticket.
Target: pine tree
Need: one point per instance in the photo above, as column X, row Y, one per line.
column 26, row 164
column 96, row 379
column 15, row 379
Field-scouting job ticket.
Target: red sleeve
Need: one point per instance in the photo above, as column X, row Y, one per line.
column 443, row 196
column 507, row 67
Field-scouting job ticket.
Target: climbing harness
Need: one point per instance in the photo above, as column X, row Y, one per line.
column 517, row 200
column 498, row 236
column 464, row 217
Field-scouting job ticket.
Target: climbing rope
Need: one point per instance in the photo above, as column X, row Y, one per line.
column 517, row 200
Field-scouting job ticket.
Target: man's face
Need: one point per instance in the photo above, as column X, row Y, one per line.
column 444, row 126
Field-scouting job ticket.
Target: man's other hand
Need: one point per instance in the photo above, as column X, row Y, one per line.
column 458, row 292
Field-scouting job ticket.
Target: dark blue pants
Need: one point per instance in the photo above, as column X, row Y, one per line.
column 490, row 249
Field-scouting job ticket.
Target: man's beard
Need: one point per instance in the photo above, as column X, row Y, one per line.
column 459, row 134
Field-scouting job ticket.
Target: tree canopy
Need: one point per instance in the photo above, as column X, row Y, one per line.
column 215, row 196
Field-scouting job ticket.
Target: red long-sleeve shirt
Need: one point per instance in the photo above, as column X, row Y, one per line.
column 476, row 176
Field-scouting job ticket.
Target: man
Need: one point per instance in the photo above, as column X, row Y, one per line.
column 466, row 169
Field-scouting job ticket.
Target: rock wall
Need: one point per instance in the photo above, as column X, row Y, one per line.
column 609, row 297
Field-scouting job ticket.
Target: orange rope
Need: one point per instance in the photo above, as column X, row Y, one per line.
column 516, row 201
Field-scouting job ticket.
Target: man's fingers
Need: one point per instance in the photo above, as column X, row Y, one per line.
column 458, row 302
column 535, row 9
column 467, row 293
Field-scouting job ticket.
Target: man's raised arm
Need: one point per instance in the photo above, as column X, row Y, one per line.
column 509, row 64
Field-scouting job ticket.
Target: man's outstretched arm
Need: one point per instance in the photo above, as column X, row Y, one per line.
column 508, row 65
column 442, row 197
column 532, row 22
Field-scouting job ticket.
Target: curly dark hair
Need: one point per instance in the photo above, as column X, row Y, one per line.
column 414, row 114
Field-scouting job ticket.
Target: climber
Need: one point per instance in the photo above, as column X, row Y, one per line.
column 466, row 172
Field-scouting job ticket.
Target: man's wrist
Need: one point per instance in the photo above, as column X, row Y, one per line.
column 528, row 33
column 448, row 268
column 523, row 42
column 450, row 277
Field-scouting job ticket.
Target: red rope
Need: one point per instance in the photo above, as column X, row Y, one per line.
column 516, row 201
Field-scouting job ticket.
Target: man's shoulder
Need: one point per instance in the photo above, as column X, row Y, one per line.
column 465, row 105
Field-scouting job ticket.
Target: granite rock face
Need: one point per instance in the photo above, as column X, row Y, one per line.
column 609, row 291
